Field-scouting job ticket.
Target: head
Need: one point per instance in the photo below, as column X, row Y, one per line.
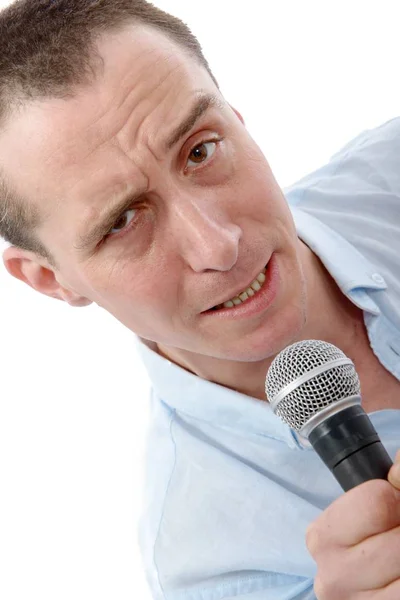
column 129, row 181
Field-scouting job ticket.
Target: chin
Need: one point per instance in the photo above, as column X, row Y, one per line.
column 269, row 339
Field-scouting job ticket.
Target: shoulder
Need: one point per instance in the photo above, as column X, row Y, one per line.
column 368, row 164
column 357, row 195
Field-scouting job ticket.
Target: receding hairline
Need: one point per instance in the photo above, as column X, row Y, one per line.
column 94, row 64
column 50, row 50
column 28, row 214
column 98, row 63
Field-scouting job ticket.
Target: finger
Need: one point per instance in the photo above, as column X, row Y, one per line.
column 366, row 510
column 390, row 592
column 374, row 563
column 394, row 475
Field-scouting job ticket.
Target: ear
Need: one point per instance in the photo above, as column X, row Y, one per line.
column 237, row 113
column 28, row 267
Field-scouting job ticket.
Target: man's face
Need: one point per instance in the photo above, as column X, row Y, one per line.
column 203, row 214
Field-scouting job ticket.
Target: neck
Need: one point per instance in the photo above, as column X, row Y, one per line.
column 340, row 323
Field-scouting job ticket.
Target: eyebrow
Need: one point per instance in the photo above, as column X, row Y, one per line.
column 106, row 221
column 202, row 104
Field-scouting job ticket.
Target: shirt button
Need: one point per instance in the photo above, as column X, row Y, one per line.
column 377, row 278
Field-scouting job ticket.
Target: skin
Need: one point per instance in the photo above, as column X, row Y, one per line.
column 356, row 543
column 199, row 230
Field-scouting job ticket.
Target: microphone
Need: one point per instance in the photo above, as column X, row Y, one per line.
column 314, row 388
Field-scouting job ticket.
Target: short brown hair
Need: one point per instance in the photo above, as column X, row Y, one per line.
column 47, row 49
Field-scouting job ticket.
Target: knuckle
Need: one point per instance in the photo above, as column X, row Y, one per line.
column 384, row 505
column 313, row 539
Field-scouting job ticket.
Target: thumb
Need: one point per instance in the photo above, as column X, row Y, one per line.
column 394, row 473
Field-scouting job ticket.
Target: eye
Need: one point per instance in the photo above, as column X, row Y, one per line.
column 201, row 153
column 123, row 221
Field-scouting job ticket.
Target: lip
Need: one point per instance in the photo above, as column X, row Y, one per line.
column 236, row 292
column 257, row 303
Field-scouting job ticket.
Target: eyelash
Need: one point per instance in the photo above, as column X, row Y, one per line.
column 213, row 140
column 216, row 140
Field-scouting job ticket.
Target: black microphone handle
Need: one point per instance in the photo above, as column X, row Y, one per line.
column 350, row 447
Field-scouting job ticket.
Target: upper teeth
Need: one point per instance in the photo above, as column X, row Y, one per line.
column 254, row 287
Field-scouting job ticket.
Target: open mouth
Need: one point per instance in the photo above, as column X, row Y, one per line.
column 246, row 294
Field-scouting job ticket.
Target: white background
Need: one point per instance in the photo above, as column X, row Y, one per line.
column 307, row 76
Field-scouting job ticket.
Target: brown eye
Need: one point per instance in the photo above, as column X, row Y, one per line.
column 202, row 152
column 123, row 221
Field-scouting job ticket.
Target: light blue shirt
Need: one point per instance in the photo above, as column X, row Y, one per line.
column 231, row 489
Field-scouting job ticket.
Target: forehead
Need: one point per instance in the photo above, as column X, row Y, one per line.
column 145, row 82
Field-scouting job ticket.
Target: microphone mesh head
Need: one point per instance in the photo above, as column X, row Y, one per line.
column 306, row 399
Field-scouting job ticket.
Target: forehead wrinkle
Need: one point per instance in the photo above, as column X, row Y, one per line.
column 129, row 109
column 113, row 209
column 95, row 133
column 66, row 149
column 137, row 126
column 130, row 88
column 129, row 100
column 141, row 86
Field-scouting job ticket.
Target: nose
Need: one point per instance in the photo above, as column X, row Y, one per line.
column 207, row 237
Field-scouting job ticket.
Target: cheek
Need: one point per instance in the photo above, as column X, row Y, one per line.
column 128, row 286
column 256, row 176
column 261, row 198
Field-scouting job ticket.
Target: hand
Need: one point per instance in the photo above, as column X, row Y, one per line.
column 356, row 543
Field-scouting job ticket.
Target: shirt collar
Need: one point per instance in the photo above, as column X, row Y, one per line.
column 353, row 273
column 207, row 401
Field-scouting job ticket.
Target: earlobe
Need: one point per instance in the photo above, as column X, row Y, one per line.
column 25, row 266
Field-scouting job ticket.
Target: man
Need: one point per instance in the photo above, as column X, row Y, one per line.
column 129, row 181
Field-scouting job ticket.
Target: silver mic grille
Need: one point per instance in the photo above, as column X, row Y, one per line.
column 306, row 377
